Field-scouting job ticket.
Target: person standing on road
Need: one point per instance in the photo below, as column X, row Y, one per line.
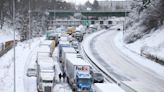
column 60, row 77
column 64, row 75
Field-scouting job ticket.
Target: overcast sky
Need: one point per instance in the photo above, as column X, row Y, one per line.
column 83, row 1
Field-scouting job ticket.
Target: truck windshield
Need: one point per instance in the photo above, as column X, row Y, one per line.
column 88, row 80
column 47, row 81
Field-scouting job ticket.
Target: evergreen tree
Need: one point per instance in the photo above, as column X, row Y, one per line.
column 95, row 5
column 88, row 4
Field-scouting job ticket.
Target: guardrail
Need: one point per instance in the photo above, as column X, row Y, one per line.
column 113, row 80
column 126, row 87
column 5, row 51
column 119, row 83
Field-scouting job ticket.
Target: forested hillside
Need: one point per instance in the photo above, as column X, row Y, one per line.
column 145, row 17
column 33, row 11
column 145, row 29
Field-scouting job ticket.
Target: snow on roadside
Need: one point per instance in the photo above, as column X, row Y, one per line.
column 6, row 67
column 133, row 51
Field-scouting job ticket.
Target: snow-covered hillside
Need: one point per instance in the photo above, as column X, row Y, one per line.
column 151, row 45
column 145, row 30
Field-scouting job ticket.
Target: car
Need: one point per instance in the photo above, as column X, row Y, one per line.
column 98, row 77
column 31, row 72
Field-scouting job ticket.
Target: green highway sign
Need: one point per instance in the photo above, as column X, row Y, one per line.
column 86, row 22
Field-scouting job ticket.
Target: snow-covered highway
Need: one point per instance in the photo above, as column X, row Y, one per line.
column 101, row 48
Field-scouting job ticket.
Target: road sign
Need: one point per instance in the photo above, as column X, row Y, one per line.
column 86, row 22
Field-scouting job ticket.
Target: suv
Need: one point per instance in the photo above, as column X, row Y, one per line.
column 98, row 77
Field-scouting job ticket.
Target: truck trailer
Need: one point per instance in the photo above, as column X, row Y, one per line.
column 78, row 74
column 64, row 52
column 61, row 45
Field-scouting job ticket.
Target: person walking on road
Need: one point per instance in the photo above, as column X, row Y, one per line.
column 60, row 75
column 64, row 75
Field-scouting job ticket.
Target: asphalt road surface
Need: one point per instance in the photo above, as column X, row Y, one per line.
column 122, row 67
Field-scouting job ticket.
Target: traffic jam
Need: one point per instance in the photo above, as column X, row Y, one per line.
column 75, row 70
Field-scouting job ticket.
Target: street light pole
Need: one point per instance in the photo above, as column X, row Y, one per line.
column 14, row 59
column 30, row 32
column 29, row 20
column 124, row 22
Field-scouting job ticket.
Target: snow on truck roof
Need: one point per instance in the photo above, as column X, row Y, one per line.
column 43, row 49
column 76, row 55
column 63, row 38
column 107, row 87
column 77, row 61
column 64, row 42
column 47, row 75
column 45, row 60
column 43, row 53
column 69, row 50
column 46, row 63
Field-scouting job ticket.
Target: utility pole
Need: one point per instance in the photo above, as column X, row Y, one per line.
column 30, row 33
column 124, row 23
column 14, row 59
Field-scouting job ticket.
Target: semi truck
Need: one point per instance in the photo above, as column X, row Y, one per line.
column 45, row 73
column 78, row 35
column 78, row 74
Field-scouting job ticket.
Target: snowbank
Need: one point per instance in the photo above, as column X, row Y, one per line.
column 150, row 46
column 6, row 66
column 153, row 40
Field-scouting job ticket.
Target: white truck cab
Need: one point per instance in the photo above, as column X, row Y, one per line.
column 45, row 73
column 47, row 81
